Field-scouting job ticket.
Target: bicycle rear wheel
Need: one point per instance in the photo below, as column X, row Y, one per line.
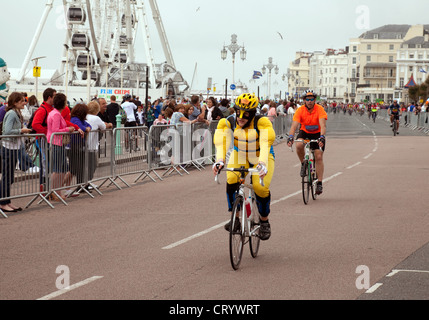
column 394, row 127
column 236, row 233
column 254, row 239
column 306, row 185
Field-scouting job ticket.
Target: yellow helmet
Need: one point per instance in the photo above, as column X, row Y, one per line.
column 246, row 102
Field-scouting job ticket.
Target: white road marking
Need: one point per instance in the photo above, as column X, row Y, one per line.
column 68, row 289
column 354, row 165
column 395, row 271
column 367, row 156
column 373, row 288
column 175, row 244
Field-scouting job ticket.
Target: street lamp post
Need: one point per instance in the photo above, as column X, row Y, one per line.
column 270, row 66
column 36, row 65
column 234, row 48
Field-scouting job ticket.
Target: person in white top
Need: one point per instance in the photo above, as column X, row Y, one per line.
column 129, row 108
column 93, row 137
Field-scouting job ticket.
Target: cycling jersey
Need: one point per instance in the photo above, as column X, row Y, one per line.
column 394, row 109
column 310, row 120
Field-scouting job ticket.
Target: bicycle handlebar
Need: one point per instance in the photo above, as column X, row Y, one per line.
column 242, row 170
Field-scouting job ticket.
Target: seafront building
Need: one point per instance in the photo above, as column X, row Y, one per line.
column 376, row 66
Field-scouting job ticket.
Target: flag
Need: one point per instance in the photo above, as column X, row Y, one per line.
column 422, row 70
column 257, row 73
column 255, row 77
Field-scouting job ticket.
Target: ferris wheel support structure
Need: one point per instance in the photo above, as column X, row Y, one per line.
column 100, row 46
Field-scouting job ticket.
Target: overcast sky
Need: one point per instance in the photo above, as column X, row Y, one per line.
column 198, row 29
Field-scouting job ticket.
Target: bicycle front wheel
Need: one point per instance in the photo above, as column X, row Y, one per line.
column 394, row 127
column 313, row 180
column 306, row 184
column 254, row 239
column 236, row 233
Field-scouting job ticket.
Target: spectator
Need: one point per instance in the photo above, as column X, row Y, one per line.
column 112, row 110
column 103, row 112
column 199, row 112
column 13, row 124
column 272, row 112
column 189, row 109
column 129, row 107
column 213, row 111
column 33, row 104
column 160, row 120
column 77, row 143
column 40, row 126
column 157, row 106
column 224, row 107
column 140, row 115
column 149, row 115
column 57, row 123
column 93, row 138
column 178, row 116
column 168, row 113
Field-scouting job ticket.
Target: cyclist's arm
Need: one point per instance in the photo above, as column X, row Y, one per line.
column 222, row 139
column 267, row 137
column 322, row 123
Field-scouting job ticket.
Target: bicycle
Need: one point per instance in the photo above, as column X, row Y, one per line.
column 245, row 220
column 309, row 180
column 395, row 125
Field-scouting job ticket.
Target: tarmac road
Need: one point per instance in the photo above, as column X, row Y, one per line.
column 365, row 237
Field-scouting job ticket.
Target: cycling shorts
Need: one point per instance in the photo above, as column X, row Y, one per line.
column 395, row 116
column 311, row 136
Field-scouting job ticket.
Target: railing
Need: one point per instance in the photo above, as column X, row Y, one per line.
column 71, row 165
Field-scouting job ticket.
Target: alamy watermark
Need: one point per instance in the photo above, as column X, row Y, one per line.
column 362, row 21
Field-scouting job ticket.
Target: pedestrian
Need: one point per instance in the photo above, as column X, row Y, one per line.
column 93, row 138
column 56, row 123
column 112, row 110
column 13, row 124
column 77, row 143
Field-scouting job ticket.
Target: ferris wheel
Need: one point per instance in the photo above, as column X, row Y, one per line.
column 100, row 42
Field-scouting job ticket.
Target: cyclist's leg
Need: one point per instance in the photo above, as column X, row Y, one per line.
column 263, row 198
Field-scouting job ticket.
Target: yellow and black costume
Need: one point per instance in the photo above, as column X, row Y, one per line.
column 252, row 145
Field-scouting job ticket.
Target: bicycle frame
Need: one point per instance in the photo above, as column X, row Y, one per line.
column 241, row 192
column 311, row 173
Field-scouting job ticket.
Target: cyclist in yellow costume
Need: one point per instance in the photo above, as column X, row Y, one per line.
column 253, row 137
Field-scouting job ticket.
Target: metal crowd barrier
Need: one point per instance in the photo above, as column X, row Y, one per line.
column 72, row 165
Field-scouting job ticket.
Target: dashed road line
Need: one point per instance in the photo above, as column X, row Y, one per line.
column 374, row 287
column 68, row 289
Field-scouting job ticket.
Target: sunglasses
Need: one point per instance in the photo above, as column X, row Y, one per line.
column 308, row 99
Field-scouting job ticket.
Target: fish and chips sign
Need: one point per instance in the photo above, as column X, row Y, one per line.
column 118, row 92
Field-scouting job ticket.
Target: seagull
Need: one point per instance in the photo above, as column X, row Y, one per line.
column 198, row 9
column 280, row 35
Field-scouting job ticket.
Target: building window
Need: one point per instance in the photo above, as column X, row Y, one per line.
column 368, row 58
column 410, row 68
column 411, row 56
column 391, row 47
column 390, row 84
column 354, row 48
column 390, row 58
column 354, row 60
column 368, row 47
column 401, row 82
column 335, row 92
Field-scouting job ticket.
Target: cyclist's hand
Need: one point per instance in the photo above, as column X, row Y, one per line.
column 262, row 170
column 218, row 166
column 322, row 141
column 290, row 141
